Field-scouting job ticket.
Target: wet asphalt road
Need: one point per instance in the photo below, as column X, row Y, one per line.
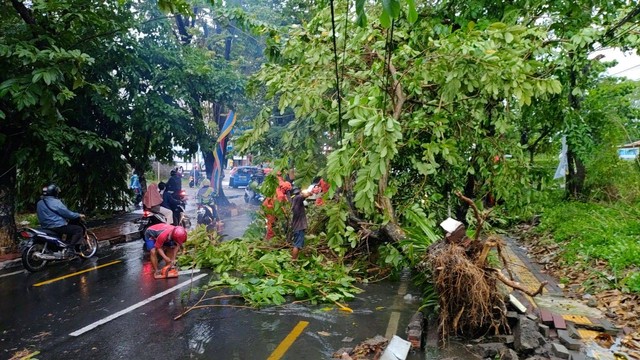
column 43, row 318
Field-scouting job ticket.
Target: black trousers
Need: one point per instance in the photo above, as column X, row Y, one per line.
column 73, row 232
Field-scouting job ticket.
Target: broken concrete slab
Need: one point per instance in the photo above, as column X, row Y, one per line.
column 560, row 351
column 526, row 337
column 569, row 342
column 489, row 350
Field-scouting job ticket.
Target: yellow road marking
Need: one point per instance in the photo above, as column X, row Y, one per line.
column 392, row 327
column 588, row 334
column 288, row 341
column 578, row 319
column 76, row 273
column 526, row 277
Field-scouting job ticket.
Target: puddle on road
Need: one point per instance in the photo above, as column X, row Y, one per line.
column 328, row 331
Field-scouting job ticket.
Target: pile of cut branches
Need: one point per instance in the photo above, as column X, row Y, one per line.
column 469, row 298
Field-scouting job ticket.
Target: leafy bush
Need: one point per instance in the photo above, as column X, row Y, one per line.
column 263, row 273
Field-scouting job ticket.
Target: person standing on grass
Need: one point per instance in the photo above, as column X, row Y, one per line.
column 299, row 223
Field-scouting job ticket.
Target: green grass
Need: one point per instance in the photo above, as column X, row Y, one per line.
column 598, row 231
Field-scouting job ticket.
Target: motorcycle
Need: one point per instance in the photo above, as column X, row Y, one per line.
column 251, row 193
column 208, row 216
column 41, row 246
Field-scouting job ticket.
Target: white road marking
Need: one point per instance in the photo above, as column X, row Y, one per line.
column 135, row 306
column 13, row 273
column 188, row 272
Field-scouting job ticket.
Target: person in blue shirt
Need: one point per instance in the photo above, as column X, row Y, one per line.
column 54, row 215
column 135, row 185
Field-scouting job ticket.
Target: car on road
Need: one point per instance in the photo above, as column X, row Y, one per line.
column 242, row 176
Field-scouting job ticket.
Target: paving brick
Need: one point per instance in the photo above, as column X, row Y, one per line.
column 544, row 330
column 546, row 317
column 573, row 332
column 558, row 322
column 569, row 342
column 577, row 356
column 415, row 338
column 560, row 351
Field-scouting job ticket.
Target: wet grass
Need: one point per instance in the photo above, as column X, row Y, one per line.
column 591, row 232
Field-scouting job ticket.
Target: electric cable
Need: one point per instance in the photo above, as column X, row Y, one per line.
column 621, row 71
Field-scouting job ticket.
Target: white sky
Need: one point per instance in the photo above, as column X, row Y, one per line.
column 628, row 63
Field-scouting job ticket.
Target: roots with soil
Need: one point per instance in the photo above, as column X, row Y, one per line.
column 470, row 300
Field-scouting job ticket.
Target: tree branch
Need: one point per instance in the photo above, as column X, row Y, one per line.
column 516, row 285
column 25, row 13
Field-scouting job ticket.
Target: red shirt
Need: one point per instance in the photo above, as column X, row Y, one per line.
column 160, row 233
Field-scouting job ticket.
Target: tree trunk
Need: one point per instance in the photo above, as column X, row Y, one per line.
column 8, row 174
column 575, row 177
column 577, row 171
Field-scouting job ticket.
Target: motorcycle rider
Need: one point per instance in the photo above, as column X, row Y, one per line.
column 164, row 240
column 54, row 215
column 171, row 201
column 153, row 200
column 204, row 197
column 175, row 182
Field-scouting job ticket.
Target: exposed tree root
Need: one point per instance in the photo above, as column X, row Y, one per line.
column 469, row 299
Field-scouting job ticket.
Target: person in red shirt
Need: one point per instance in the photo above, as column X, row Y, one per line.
column 164, row 240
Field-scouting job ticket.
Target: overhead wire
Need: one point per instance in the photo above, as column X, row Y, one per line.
column 625, row 70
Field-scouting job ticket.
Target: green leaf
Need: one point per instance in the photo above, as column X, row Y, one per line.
column 412, row 15
column 391, row 7
column 508, row 38
column 362, row 16
column 385, row 20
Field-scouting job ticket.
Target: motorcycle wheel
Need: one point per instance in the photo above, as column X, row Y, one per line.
column 29, row 261
column 89, row 245
column 186, row 223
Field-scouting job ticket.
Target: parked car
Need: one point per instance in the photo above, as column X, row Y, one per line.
column 242, row 176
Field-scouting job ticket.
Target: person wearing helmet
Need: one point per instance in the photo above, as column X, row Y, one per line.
column 175, row 182
column 204, row 193
column 164, row 240
column 54, row 215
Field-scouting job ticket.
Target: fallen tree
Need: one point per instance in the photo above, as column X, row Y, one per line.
column 469, row 297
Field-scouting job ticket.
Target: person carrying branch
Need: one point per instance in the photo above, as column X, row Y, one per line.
column 299, row 222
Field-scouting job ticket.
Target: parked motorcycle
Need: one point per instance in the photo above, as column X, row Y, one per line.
column 41, row 246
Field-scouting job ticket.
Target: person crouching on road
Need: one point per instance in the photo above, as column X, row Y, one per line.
column 164, row 240
column 299, row 223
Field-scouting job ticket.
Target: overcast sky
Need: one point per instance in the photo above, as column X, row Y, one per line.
column 628, row 63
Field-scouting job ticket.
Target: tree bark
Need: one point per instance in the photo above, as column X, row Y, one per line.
column 8, row 174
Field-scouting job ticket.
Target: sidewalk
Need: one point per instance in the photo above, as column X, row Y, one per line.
column 575, row 326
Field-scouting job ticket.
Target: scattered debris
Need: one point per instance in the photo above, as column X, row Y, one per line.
column 366, row 350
